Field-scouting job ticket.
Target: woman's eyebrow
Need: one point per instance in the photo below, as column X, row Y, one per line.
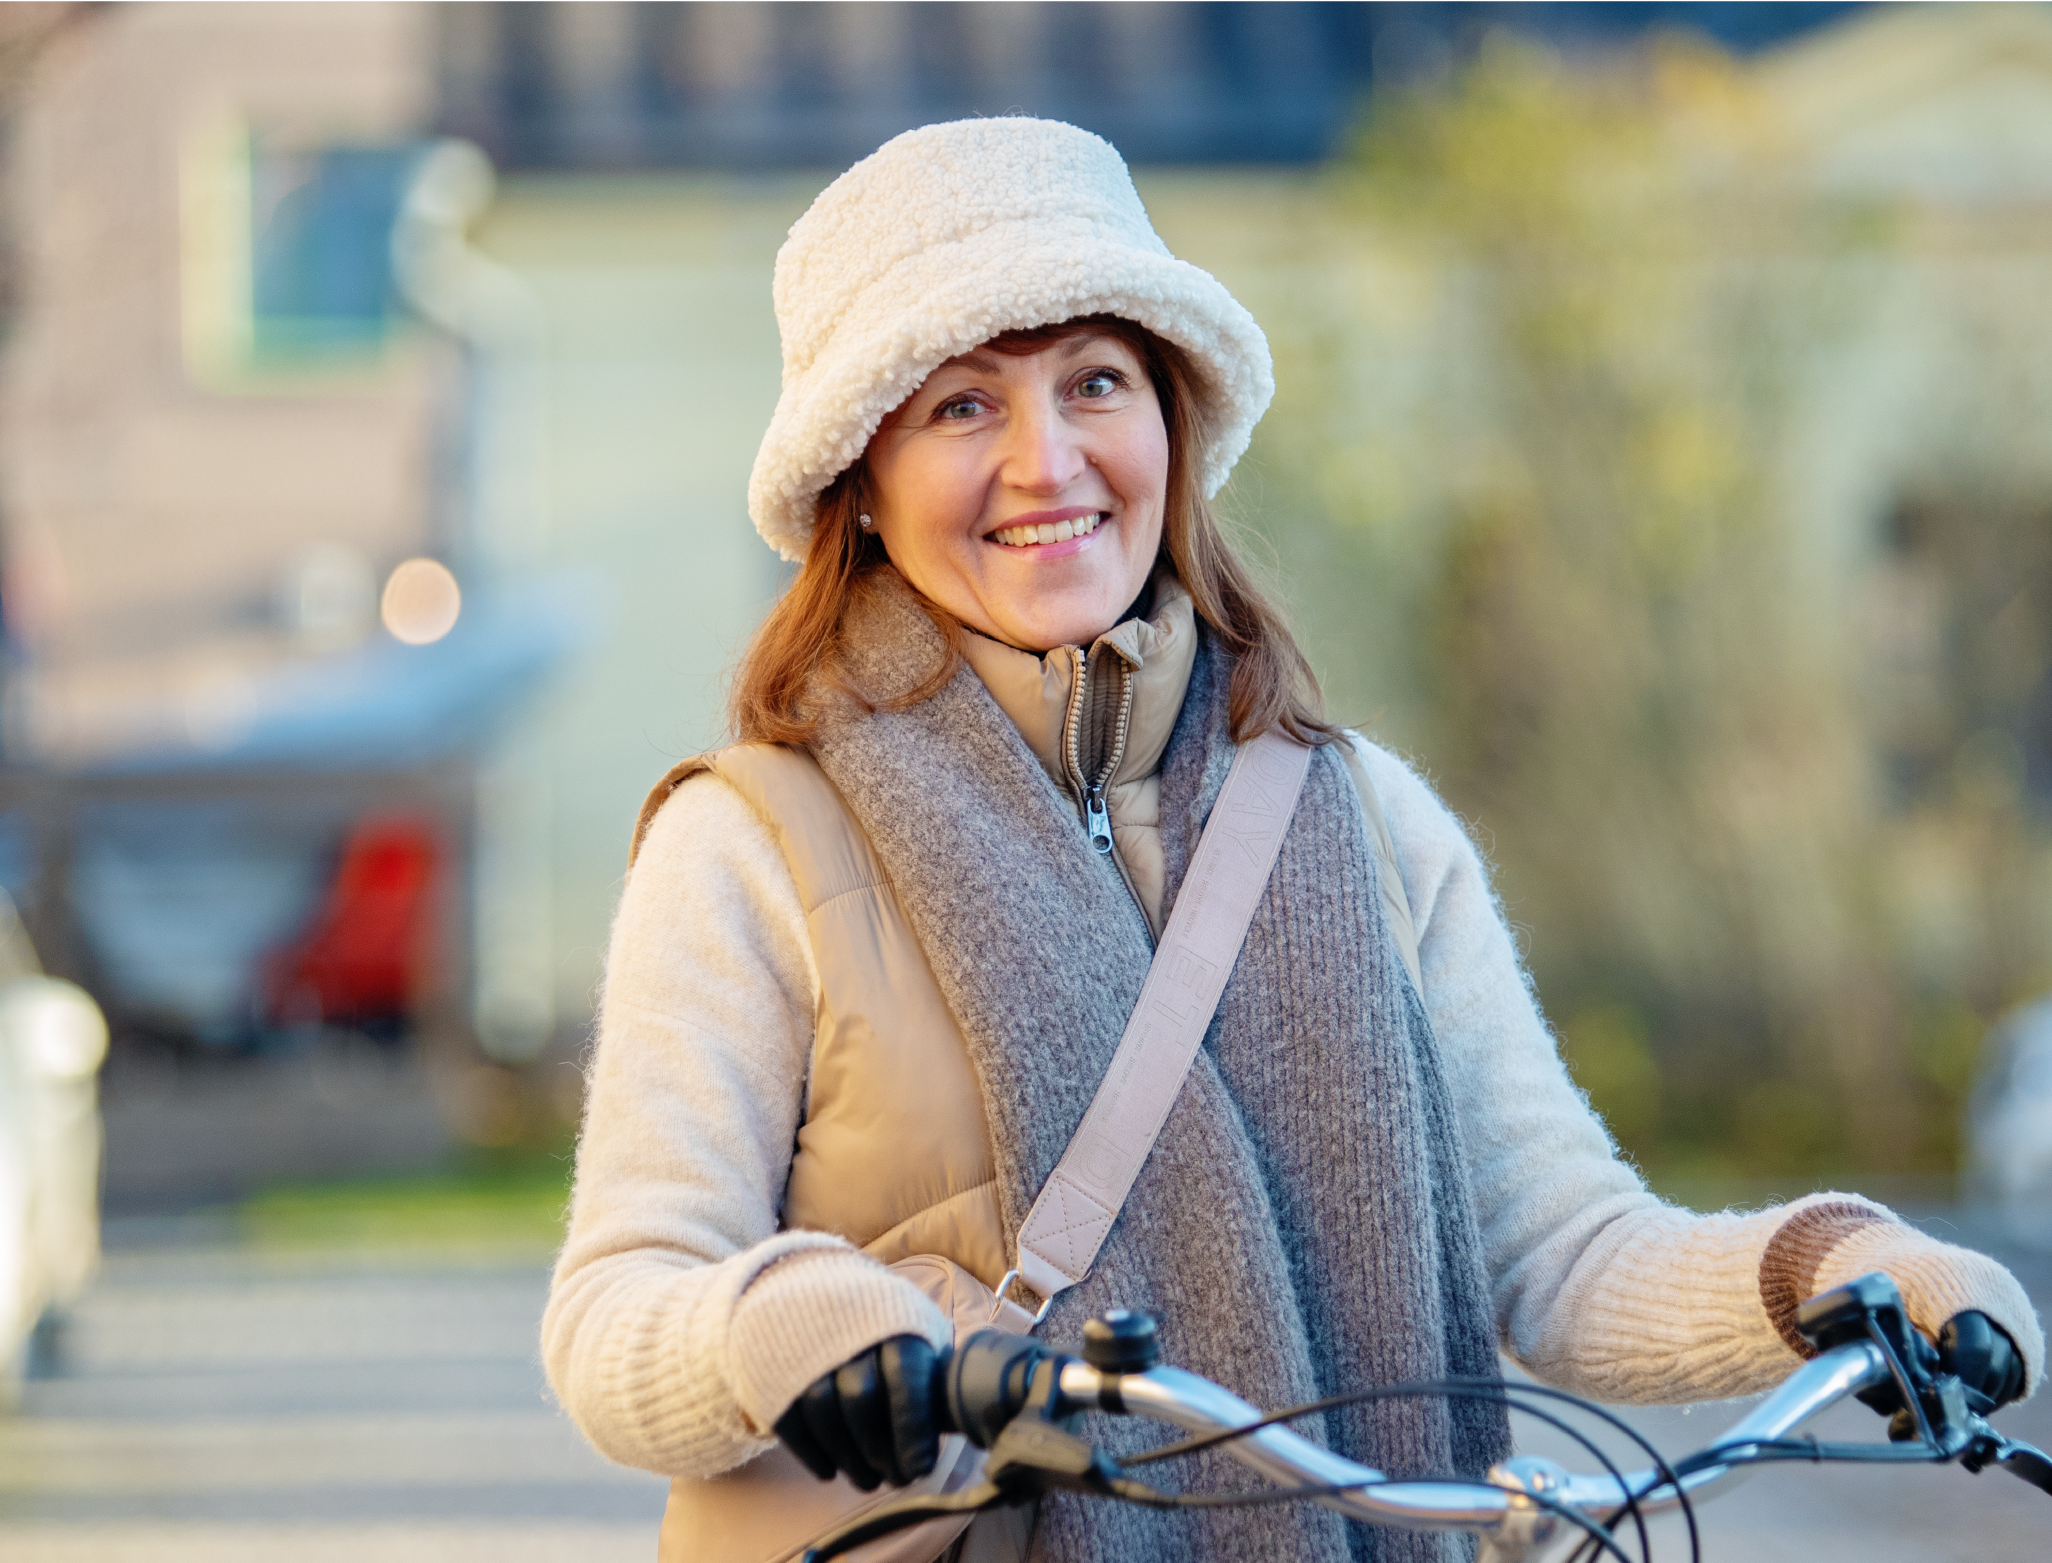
column 976, row 361
column 980, row 360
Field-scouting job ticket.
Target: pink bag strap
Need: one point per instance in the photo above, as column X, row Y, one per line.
column 1074, row 1213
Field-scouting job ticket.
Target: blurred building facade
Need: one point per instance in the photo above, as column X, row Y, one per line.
column 240, row 807
column 211, row 443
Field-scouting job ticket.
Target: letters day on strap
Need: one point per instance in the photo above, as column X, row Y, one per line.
column 1074, row 1213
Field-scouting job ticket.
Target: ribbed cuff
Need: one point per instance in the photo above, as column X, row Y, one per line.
column 809, row 1312
column 1793, row 1260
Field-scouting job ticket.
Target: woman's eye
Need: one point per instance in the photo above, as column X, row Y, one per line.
column 958, row 409
column 1100, row 384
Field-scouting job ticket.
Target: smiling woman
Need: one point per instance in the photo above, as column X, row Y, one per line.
column 874, row 962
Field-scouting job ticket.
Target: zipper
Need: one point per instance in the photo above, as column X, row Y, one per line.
column 1097, row 818
column 1090, row 789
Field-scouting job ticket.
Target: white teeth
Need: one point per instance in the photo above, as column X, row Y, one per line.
column 1046, row 532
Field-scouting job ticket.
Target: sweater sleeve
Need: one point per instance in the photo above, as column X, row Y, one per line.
column 1599, row 1286
column 681, row 1321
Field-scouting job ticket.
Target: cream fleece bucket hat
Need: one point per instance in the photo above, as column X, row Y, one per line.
column 947, row 236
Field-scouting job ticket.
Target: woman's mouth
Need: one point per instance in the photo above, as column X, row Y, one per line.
column 1048, row 531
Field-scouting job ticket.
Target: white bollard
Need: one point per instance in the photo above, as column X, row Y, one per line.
column 52, row 1042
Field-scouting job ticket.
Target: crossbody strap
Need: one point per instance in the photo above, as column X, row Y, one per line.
column 1075, row 1211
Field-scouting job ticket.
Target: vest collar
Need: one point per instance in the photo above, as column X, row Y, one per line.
column 1034, row 690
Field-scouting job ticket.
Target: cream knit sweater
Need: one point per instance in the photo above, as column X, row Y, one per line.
column 682, row 1321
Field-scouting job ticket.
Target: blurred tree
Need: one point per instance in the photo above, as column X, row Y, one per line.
column 1529, row 466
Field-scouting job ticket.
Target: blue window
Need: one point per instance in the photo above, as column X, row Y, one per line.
column 321, row 279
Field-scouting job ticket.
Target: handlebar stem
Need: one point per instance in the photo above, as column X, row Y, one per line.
column 1525, row 1526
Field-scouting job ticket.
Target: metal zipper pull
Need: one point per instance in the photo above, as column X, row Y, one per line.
column 1097, row 818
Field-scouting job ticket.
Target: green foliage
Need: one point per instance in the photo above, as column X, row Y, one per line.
column 506, row 1203
column 1609, row 1051
column 1532, row 471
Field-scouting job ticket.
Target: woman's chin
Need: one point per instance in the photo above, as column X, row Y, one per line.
column 1047, row 626
column 1038, row 605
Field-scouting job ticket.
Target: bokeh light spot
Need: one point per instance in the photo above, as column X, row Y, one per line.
column 421, row 601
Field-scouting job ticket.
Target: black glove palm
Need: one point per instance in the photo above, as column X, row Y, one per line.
column 1983, row 1357
column 872, row 1419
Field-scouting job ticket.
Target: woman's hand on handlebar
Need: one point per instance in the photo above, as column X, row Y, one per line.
column 873, row 1419
column 1975, row 1350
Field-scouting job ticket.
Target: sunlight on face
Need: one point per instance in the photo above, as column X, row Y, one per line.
column 1025, row 494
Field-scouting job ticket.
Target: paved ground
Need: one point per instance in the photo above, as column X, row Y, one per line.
column 211, row 1406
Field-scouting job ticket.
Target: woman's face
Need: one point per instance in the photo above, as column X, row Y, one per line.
column 1025, row 494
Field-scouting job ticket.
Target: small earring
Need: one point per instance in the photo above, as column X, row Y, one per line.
column 865, row 523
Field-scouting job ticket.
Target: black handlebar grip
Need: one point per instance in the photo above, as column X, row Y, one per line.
column 984, row 1384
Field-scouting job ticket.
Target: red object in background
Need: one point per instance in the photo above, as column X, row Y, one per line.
column 364, row 955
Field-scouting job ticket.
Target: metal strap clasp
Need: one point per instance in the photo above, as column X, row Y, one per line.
column 997, row 1305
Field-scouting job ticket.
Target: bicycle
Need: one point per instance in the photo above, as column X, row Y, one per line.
column 1018, row 1400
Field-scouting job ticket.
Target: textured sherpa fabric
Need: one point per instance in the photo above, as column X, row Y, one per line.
column 946, row 237
column 1303, row 1224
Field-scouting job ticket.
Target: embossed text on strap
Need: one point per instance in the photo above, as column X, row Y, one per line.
column 1074, row 1213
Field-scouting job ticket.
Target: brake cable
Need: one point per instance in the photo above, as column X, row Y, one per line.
column 1476, row 1389
column 1140, row 1493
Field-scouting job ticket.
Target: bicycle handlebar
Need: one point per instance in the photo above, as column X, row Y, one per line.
column 1013, row 1396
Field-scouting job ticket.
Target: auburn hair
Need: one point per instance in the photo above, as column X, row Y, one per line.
column 800, row 642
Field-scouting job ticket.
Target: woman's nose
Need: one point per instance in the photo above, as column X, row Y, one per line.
column 1042, row 454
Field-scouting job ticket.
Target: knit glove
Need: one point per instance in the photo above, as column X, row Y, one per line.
column 1973, row 1310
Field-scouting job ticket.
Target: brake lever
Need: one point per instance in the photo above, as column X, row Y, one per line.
column 1929, row 1407
column 1986, row 1447
column 2032, row 1464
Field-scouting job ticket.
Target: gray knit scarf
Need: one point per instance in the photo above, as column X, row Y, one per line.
column 1303, row 1225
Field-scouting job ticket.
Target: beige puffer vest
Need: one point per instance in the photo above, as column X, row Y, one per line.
column 892, row 1153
